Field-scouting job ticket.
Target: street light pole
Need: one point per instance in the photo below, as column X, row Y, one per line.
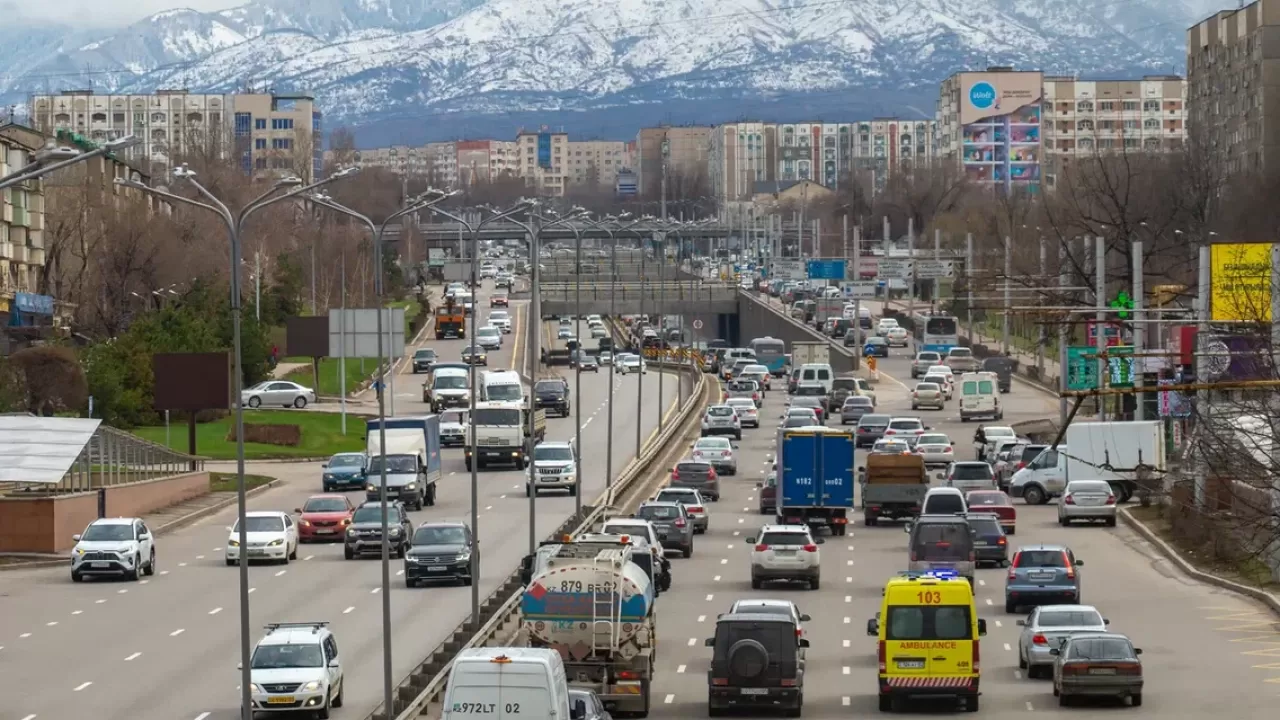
column 234, row 222
column 66, row 157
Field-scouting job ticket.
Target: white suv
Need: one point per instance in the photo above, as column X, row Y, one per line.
column 272, row 535
column 114, row 546
column 553, row 468
column 785, row 552
column 296, row 667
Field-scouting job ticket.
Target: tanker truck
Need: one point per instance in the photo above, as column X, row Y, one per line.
column 593, row 604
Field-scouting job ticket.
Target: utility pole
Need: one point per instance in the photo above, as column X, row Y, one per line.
column 1043, row 340
column 1100, row 316
column 937, row 257
column 1008, row 289
column 1202, row 373
column 911, row 258
column 968, row 284
column 1064, row 280
column 856, row 259
column 1139, row 333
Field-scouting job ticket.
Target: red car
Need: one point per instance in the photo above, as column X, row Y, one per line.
column 324, row 518
column 997, row 503
column 498, row 301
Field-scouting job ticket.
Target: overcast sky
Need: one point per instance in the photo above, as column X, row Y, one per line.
column 102, row 13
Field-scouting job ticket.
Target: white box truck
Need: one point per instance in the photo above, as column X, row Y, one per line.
column 1117, row 452
column 810, row 353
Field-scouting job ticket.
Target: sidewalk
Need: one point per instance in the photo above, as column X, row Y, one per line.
column 282, row 369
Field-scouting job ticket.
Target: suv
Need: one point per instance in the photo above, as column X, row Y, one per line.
column 691, row 499
column 552, row 396
column 364, row 534
column 439, row 551
column 721, row 420
column 296, row 667
column 1042, row 574
column 785, row 552
column 923, row 361
column 756, row 662
column 671, row 520
column 942, row 543
column 422, row 360
column 554, row 467
column 114, row 546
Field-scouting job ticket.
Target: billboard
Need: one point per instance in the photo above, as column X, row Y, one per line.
column 1240, row 289
column 1224, row 357
column 1000, row 128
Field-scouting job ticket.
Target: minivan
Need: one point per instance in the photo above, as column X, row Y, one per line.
column 978, row 397
column 817, row 372
column 506, row 683
column 942, row 542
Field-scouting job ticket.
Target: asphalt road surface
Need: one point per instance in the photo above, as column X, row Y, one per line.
column 1206, row 650
column 166, row 648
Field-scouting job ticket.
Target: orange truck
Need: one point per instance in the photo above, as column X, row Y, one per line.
column 451, row 322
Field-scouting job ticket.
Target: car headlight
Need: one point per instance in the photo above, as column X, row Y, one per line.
column 328, row 476
column 313, row 685
column 233, row 543
column 464, row 558
column 79, row 551
column 351, row 532
column 395, row 530
column 275, row 543
column 257, row 688
column 304, row 523
column 371, row 488
column 411, row 486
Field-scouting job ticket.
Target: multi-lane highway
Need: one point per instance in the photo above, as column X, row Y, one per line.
column 167, row 648
column 1206, row 650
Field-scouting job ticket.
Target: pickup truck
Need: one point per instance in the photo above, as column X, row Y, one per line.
column 961, row 360
column 893, row 486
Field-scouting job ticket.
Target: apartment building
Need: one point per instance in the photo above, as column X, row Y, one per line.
column 989, row 127
column 688, row 155
column 741, row 155
column 486, row 160
column 595, row 163
column 1085, row 118
column 265, row 132
column 22, row 246
column 1233, row 56
column 398, row 159
column 544, row 161
column 833, row 154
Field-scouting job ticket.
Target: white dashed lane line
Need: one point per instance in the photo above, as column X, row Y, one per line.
column 680, row 669
column 702, row 618
column 669, row 699
column 177, row 632
column 81, row 686
column 693, row 641
column 51, row 623
column 77, row 612
column 132, row 657
column 710, row 597
column 215, row 611
column 349, row 610
column 278, row 574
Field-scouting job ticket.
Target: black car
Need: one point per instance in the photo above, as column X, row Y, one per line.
column 439, row 551
column 552, row 396
column 1003, row 368
column 423, row 359
column 871, row 428
column 755, row 663
column 989, row 542
column 589, row 363
column 876, row 346
column 364, row 534
column 475, row 355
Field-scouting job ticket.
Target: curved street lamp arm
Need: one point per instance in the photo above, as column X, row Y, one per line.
column 24, row 174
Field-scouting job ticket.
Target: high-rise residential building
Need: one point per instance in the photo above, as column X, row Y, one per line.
column 1233, row 56
column 399, row 159
column 742, row 154
column 543, row 161
column 21, row 217
column 989, row 126
column 1085, row 118
column 442, row 163
column 833, row 154
column 263, row 133
column 688, row 154
column 595, row 163
column 481, row 161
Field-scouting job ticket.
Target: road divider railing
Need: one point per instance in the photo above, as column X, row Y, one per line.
column 425, row 685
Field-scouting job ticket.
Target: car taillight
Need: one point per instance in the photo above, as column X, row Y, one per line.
column 1071, row 571
column 696, row 509
column 711, row 473
column 811, row 548
column 880, row 655
column 1128, row 669
column 1021, row 464
column 755, row 396
column 1068, row 500
column 1111, row 499
column 799, row 632
column 1039, row 639
column 680, row 523
column 1002, row 541
column 914, row 557
column 1071, row 669
column 977, row 657
column 890, row 432
column 948, row 450
column 761, row 547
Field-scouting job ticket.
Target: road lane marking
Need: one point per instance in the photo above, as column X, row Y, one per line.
column 848, row 579
column 746, row 509
column 182, row 564
column 143, row 582
column 848, row 562
column 25, row 635
column 753, row 497
column 845, row 643
column 693, row 641
column 1006, row 647
column 99, row 601
column 669, row 699
column 281, row 573
column 375, row 591
column 702, row 618
column 1017, row 674
column 349, row 610
column 215, row 611
column 736, row 533
column 204, row 715
column 741, row 520
column 724, row 561
column 680, row 669
column 77, row 612
column 199, row 557
column 730, row 546
column 848, row 598
column 177, row 632
column 717, row 578
column 989, row 601
column 132, row 657
column 844, row 700
column 217, row 549
column 30, row 717
column 1029, row 707
column 82, row 686
column 982, row 582
column 399, row 573
column 252, row 589
column 999, row 624
column 51, row 623
column 709, row 597
column 844, row 670
column 847, row 621
column 488, row 507
column 121, row 592
column 308, row 557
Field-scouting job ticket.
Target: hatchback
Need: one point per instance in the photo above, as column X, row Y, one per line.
column 699, row 475
column 721, row 420
column 748, row 413
column 748, row 389
column 675, row 531
column 928, row 394
column 814, row 403
column 990, row 546
column 1041, row 574
column 871, row 428
column 1089, row 500
column 717, row 451
column 1048, row 627
column 785, row 552
column 692, row 501
column 854, row 407
column 900, row 426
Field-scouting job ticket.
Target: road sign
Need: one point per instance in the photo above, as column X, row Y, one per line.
column 866, row 268
column 829, row 269
column 1082, row 367
column 789, row 269
column 894, row 269
column 1173, row 404
column 858, row 289
column 935, row 269
column 697, row 324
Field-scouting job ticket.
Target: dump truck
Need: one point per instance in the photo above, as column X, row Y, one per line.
column 451, row 321
column 893, row 486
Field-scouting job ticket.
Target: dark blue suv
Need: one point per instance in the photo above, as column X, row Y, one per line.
column 1042, row 574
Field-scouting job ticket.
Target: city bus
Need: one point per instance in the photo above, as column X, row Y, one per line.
column 937, row 333
column 772, row 353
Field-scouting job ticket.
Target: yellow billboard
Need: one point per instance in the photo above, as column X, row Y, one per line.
column 1240, row 287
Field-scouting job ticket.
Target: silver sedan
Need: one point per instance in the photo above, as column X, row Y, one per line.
column 1047, row 628
column 927, row 394
column 281, row 393
column 1090, row 500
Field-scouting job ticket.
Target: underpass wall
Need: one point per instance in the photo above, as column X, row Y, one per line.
column 756, row 319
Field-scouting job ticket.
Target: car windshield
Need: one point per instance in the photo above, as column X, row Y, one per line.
column 393, row 463
column 338, row 461
column 1040, row 559
column 784, row 537
column 960, row 353
column 927, row 387
column 875, row 341
column 713, row 443
column 693, row 467
column 498, row 315
column 807, row 402
column 795, row 421
column 810, row 390
column 684, row 497
column 453, row 417
column 440, row 535
column 373, row 514
column 549, row 386
column 110, row 532
column 261, row 524
column 927, row 357
column 498, row 417
column 722, row 411
column 1096, row 648
column 552, row 452
column 987, row 499
column 328, row 504
column 424, row 354
column 275, row 657
column 488, row 331
column 1089, row 486
column 659, row 512
column 971, row 471
column 890, row 446
column 995, row 432
column 924, row 622
column 451, row 382
column 844, row 384
column 941, row 541
column 936, row 379
column 473, row 350
column 904, row 424
column 742, row 404
column 760, row 608
column 1069, row 618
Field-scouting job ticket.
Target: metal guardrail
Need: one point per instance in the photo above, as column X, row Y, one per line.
column 509, row 598
column 113, row 457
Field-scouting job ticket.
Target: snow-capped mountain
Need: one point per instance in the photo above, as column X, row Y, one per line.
column 448, row 65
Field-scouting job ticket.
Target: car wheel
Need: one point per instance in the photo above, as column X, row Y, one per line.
column 323, row 712
column 293, row 554
column 409, row 582
column 971, row 703
column 1135, row 700
column 1010, row 608
column 347, row 553
column 886, row 703
column 1034, row 495
column 150, row 568
column 687, row 551
column 231, row 563
column 255, row 402
column 713, row 711
column 300, row 402
column 1022, row 664
column 815, row 583
column 77, row 577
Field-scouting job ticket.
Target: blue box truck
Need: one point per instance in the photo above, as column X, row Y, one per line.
column 410, row 460
column 815, row 477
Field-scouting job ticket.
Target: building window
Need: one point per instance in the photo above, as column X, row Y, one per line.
column 259, row 123
column 259, row 143
column 260, row 163
column 1106, row 106
column 1151, row 105
column 1084, row 106
column 1130, row 124
column 1131, row 106
column 281, row 144
column 242, row 124
column 281, row 123
column 1085, row 126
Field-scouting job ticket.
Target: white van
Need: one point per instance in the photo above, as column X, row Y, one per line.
column 979, row 396
column 501, row 386
column 1043, row 478
column 507, row 683
column 819, row 373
